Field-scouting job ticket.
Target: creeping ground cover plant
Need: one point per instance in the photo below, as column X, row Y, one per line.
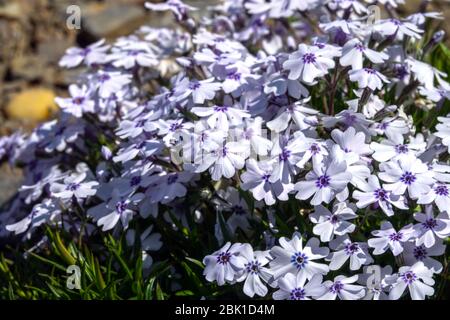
column 282, row 149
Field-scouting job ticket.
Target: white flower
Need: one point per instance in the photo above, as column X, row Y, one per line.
column 389, row 238
column 302, row 115
column 346, row 249
column 343, row 288
column 368, row 78
column 308, row 63
column 354, row 51
column 389, row 149
column 221, row 117
column 407, row 173
column 352, row 143
column 396, row 27
column 292, row 257
column 324, row 182
column 414, row 253
column 74, row 186
column 226, row 264
column 79, row 102
column 439, row 194
column 223, row 161
column 255, row 273
column 328, row 224
column 256, row 179
column 410, row 277
column 431, row 228
column 373, row 193
column 296, row 287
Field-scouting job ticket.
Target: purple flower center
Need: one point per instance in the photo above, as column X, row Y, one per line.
column 401, row 72
column 401, row 148
column 298, row 294
column 420, row 253
column 351, row 248
column 72, row 186
column 78, row 100
column 223, row 257
column 253, row 267
column 234, row 76
column 121, row 206
column 430, row 224
column 380, row 194
column 334, row 219
column 396, row 22
column 285, row 154
column 441, row 190
column 135, row 181
column 323, row 181
column 360, row 47
column 409, row 277
column 369, row 70
column 221, row 108
column 299, row 260
column 314, row 148
column 104, row 77
column 408, row 178
column 172, row 178
column 266, row 177
column 239, row 210
column 309, row 58
column 396, row 236
column 337, row 287
column 194, row 85
column 175, row 126
column 223, row 152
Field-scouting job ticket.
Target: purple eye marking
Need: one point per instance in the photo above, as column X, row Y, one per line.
column 401, row 148
column 239, row 210
column 266, row 177
column 360, row 47
column 351, row 248
column 73, row 186
column 408, row 178
column 298, row 294
column 409, row 277
column 78, row 100
column 441, row 190
column 104, row 77
column 369, row 71
column 396, row 236
column 334, row 219
column 234, row 76
column 121, row 206
column 429, row 224
column 175, row 126
column 194, row 85
column 420, row 253
column 309, row 58
column 223, row 258
column 396, row 22
column 314, row 148
column 221, row 108
column 135, row 181
column 380, row 194
column 285, row 154
column 172, row 179
column 253, row 267
column 323, row 181
column 337, row 287
column 299, row 260
column 223, row 152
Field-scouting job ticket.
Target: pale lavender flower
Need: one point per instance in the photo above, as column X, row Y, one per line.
column 296, row 287
column 345, row 249
column 389, row 238
column 417, row 278
column 343, row 288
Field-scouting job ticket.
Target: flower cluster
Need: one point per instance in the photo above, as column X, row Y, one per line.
column 263, row 118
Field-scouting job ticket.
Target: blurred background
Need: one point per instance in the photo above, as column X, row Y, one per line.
column 34, row 36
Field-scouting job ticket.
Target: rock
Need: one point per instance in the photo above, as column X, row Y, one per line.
column 112, row 20
column 11, row 10
column 27, row 67
column 51, row 51
column 33, row 104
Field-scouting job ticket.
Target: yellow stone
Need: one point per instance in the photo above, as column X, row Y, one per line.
column 32, row 104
